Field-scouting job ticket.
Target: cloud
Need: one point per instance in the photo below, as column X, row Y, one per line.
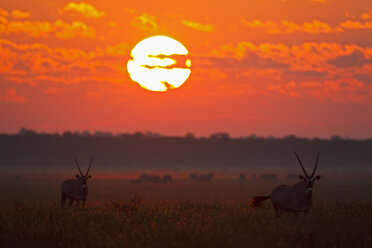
column 355, row 59
column 59, row 28
column 309, row 56
column 145, row 22
column 364, row 78
column 212, row 74
column 288, row 89
column 308, row 73
column 318, row 27
column 85, row 9
column 342, row 90
column 20, row 14
column 54, row 91
column 12, row 96
column 366, row 15
column 299, row 71
column 3, row 16
column 67, row 31
column 248, row 60
column 38, row 64
column 319, row 1
column 355, row 25
column 243, row 64
column 288, row 27
column 199, row 26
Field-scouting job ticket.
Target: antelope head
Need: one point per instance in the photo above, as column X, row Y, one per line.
column 83, row 177
column 309, row 180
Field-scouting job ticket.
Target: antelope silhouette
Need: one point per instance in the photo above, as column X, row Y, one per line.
column 296, row 198
column 76, row 189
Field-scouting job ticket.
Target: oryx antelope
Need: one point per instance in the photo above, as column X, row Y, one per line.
column 296, row 198
column 76, row 189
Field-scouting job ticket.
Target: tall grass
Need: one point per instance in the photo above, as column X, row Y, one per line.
column 216, row 223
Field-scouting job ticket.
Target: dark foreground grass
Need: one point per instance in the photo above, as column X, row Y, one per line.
column 184, row 224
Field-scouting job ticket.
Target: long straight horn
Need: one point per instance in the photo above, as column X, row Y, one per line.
column 77, row 163
column 91, row 160
column 316, row 164
column 299, row 160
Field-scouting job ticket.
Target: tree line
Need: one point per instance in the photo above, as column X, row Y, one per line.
column 29, row 148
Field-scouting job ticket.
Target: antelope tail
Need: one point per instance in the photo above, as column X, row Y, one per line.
column 258, row 200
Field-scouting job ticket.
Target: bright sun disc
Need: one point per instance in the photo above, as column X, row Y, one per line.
column 157, row 63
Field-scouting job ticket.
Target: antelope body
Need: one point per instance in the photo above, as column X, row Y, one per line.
column 296, row 198
column 76, row 189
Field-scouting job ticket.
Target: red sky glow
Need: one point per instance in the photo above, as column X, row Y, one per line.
column 272, row 67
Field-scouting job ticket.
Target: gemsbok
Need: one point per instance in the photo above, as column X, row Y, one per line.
column 296, row 198
column 76, row 189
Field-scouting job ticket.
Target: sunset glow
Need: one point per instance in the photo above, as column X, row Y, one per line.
column 270, row 68
column 150, row 71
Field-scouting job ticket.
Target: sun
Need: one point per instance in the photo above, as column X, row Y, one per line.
column 159, row 63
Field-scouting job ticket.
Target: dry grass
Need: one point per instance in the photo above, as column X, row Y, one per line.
column 140, row 223
column 182, row 214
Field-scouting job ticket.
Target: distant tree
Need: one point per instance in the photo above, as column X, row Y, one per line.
column 152, row 135
column 76, row 133
column 68, row 134
column 85, row 133
column 56, row 134
column 220, row 136
column 253, row 136
column 26, row 132
column 138, row 135
column 190, row 135
column 123, row 135
column 336, row 138
column 102, row 134
column 290, row 137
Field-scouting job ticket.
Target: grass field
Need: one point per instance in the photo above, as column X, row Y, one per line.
column 181, row 214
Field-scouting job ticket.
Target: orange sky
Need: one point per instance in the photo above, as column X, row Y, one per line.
column 269, row 67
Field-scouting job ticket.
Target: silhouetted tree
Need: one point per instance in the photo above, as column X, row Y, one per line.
column 26, row 132
column 336, row 138
column 190, row 135
column 102, row 134
column 220, row 136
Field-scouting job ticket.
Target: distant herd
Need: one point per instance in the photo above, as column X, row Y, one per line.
column 284, row 198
